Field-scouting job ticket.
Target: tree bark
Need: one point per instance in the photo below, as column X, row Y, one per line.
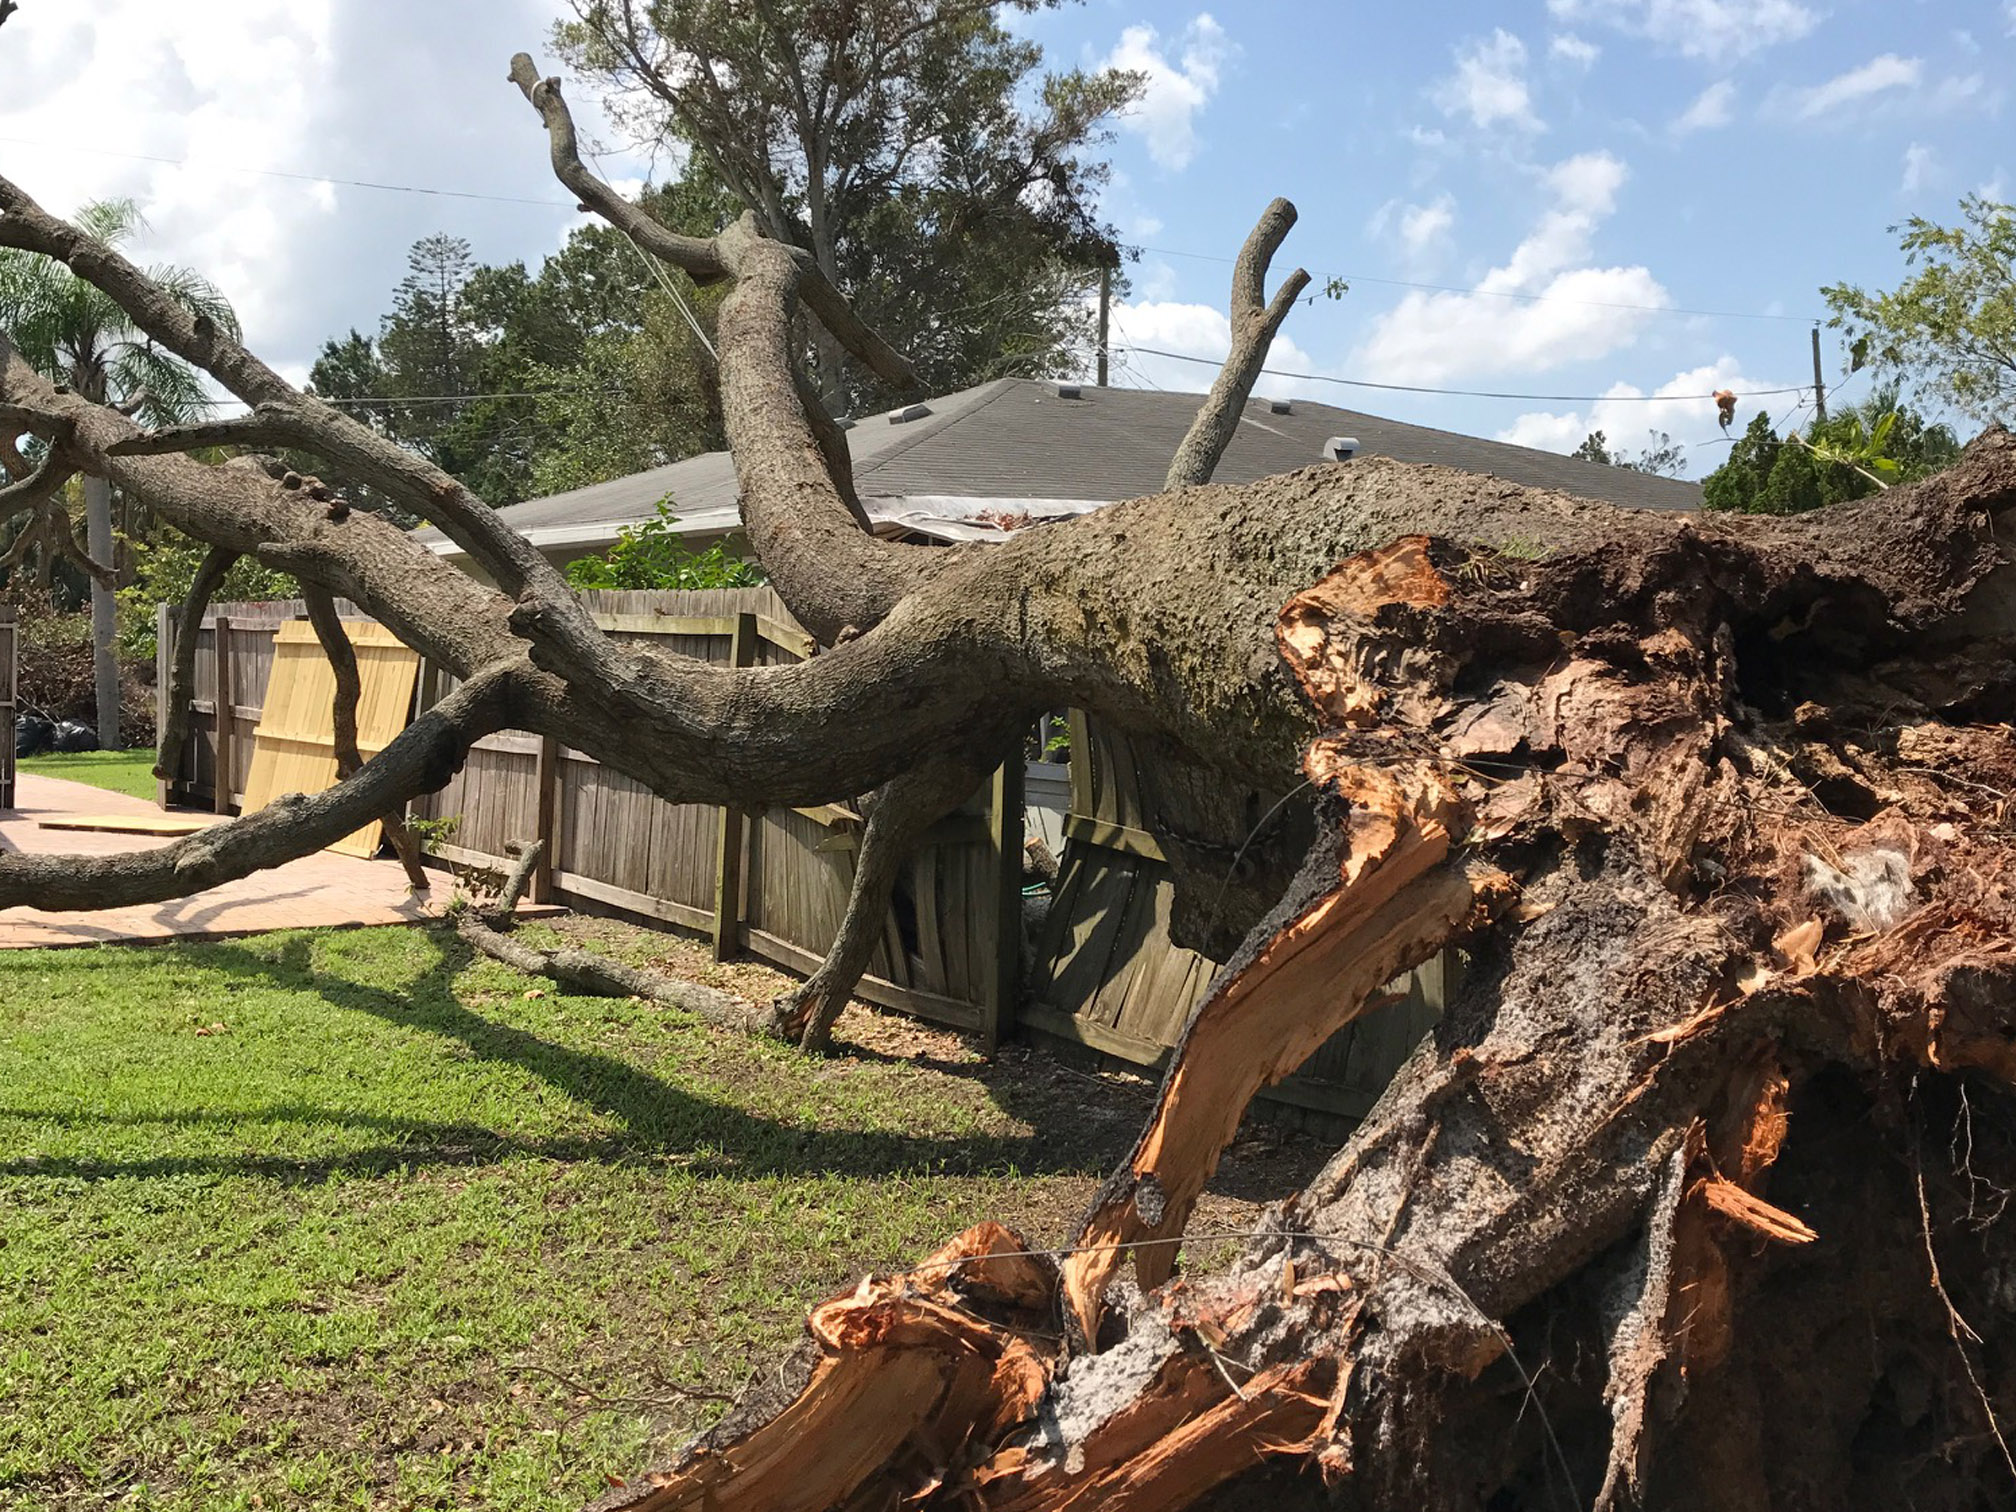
column 335, row 642
column 174, row 732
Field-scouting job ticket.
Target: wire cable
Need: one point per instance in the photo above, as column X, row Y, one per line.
column 1416, row 388
column 1599, row 304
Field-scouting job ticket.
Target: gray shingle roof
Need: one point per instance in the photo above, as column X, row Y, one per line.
column 1015, row 438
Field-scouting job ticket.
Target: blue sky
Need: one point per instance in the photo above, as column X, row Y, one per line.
column 1717, row 155
column 1722, row 155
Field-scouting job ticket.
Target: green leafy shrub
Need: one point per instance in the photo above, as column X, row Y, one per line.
column 652, row 554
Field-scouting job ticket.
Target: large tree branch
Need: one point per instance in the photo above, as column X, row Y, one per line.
column 898, row 816
column 267, row 425
column 420, row 760
column 1255, row 319
column 349, row 687
column 300, row 419
column 704, row 259
column 33, row 491
column 797, row 496
column 217, row 561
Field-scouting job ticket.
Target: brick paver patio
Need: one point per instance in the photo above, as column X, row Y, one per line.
column 323, row 889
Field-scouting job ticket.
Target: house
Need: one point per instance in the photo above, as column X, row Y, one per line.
column 950, row 468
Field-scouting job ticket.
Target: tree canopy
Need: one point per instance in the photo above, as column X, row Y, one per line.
column 508, row 380
column 1664, row 456
column 909, row 145
column 1949, row 329
column 1852, row 454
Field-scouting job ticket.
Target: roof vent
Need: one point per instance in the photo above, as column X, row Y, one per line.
column 1340, row 448
column 845, row 422
column 1069, row 391
column 1281, row 406
column 908, row 413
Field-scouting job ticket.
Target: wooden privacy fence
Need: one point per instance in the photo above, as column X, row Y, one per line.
column 771, row 882
column 1108, row 976
column 10, row 702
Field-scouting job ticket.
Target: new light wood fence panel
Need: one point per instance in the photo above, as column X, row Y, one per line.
column 294, row 748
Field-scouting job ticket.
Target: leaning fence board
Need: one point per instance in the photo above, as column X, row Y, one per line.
column 294, row 747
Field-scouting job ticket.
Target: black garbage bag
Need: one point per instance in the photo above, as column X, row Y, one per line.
column 33, row 735
column 72, row 737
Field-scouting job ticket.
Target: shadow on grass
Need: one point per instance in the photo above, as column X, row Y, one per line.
column 662, row 1122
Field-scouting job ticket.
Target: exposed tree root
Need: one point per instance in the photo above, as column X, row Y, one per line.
column 1638, row 1225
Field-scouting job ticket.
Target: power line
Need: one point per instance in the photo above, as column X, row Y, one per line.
column 1599, row 304
column 555, row 204
column 1415, row 388
column 302, row 178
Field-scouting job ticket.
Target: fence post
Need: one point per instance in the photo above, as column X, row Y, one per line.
column 729, row 841
column 546, row 774
column 226, row 720
column 1003, row 922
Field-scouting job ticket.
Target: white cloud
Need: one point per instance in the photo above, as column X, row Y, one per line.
column 1418, row 229
column 1489, row 84
column 1199, row 331
column 86, row 81
column 245, row 90
column 1717, row 30
column 1154, row 280
column 1422, row 227
column 1918, row 163
column 1874, row 77
column 1165, row 117
column 1711, row 108
column 1679, row 407
column 1570, row 48
column 1580, row 312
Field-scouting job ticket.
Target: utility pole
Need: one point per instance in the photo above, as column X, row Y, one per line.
column 1105, row 312
column 1819, row 385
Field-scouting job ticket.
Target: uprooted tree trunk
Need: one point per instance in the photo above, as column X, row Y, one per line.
column 1695, row 1196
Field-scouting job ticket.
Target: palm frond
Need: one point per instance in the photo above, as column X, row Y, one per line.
column 111, row 221
column 169, row 390
column 198, row 296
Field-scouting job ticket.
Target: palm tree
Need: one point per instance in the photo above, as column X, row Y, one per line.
column 74, row 333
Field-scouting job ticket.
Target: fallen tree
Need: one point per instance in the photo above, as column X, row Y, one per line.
column 1718, row 1119
column 1694, row 1198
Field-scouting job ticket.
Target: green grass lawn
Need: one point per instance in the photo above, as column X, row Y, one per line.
column 408, row 1231
column 129, row 772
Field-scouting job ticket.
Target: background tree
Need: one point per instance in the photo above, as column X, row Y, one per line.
column 889, row 139
column 1595, row 448
column 508, row 381
column 1852, row 454
column 1948, row 330
column 70, row 329
column 1664, row 456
